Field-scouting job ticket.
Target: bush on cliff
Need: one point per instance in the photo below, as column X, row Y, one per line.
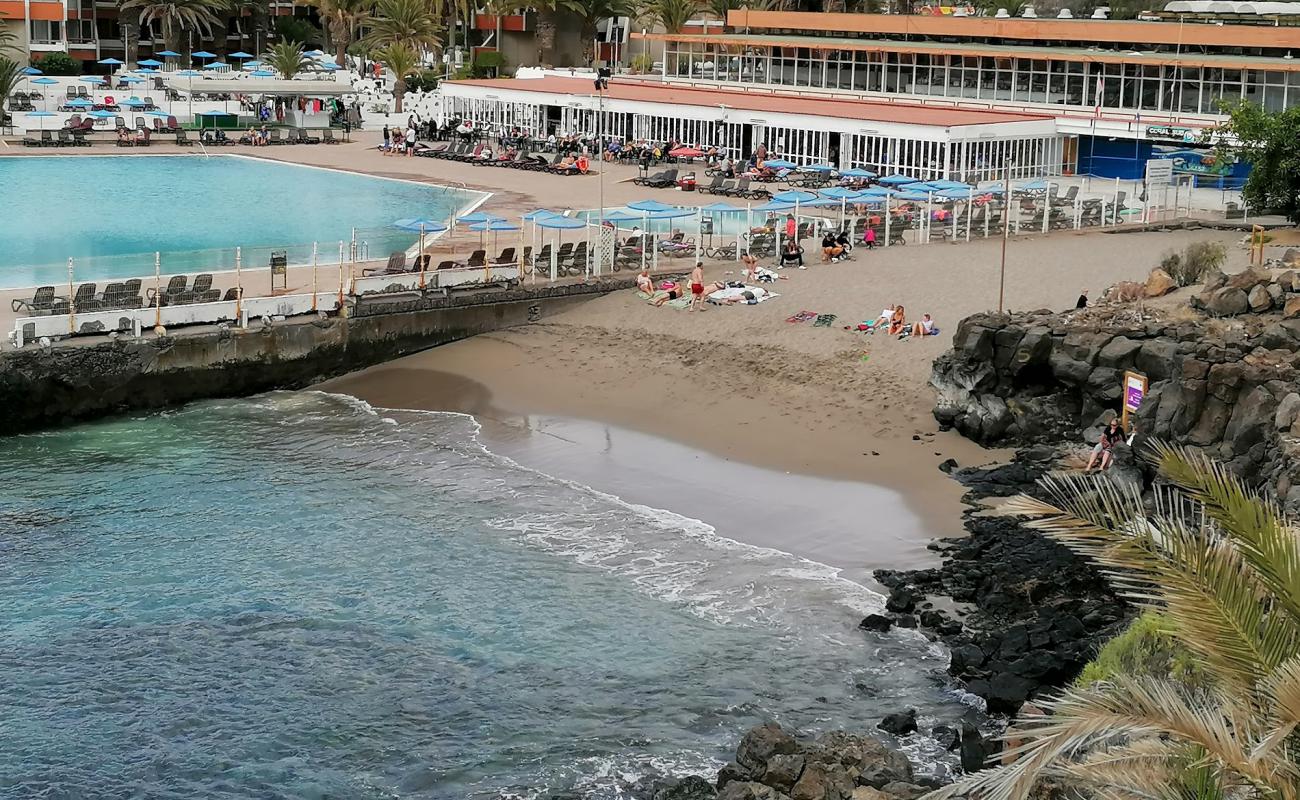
column 1223, row 566
column 1147, row 647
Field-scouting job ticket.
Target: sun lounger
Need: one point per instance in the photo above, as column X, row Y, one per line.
column 183, row 140
column 65, row 139
column 41, row 303
column 84, row 299
column 327, row 136
column 507, row 256
column 477, row 259
column 202, row 283
column 396, row 264
column 447, row 265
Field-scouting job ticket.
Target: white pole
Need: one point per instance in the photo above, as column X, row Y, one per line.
column 555, row 256
column 1047, row 205
column 314, row 285
column 887, row 220
column 157, row 288
column 970, row 209
column 699, row 234
column 239, row 286
column 929, row 214
column 72, row 302
column 340, row 274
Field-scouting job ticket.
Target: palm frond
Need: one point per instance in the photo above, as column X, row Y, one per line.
column 1268, row 542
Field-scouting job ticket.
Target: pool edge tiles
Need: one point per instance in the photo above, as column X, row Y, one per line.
column 198, row 214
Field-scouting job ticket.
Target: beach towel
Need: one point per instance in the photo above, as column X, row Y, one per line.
column 802, row 316
column 736, row 295
column 824, row 321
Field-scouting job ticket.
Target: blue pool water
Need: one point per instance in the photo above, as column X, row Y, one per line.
column 295, row 596
column 111, row 213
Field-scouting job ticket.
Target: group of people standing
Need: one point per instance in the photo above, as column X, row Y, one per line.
column 400, row 140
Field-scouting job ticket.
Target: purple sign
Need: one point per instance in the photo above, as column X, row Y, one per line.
column 1135, row 388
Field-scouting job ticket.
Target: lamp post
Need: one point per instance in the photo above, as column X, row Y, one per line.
column 601, row 83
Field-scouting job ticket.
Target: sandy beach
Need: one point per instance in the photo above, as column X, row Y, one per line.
column 745, row 386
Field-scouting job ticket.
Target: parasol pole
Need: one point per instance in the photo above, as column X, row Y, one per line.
column 72, row 302
column 239, row 285
column 340, row 274
column 421, row 255
column 157, row 289
column 314, row 284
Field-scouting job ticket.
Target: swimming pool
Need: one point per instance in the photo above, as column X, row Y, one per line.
column 110, row 214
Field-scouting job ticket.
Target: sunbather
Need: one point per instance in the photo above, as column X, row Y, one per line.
column 897, row 322
column 886, row 316
column 925, row 327
column 672, row 291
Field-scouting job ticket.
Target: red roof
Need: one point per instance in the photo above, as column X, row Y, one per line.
column 865, row 110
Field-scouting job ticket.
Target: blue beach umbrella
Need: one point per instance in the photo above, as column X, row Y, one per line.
column 817, row 168
column 416, row 223
column 533, row 216
column 840, row 193
column 494, row 225
column 477, row 216
column 101, row 114
column 93, row 79
column 217, row 65
column 162, row 114
column 169, row 54
column 779, row 163
column 723, row 208
column 31, row 71
column 650, row 205
column 1033, row 186
column 133, row 102
column 149, row 62
column 252, row 63
column 130, row 79
column 672, row 213
column 262, row 73
column 772, row 205
column 557, row 222
column 794, row 196
column 897, row 180
column 111, row 62
column 857, row 173
column 239, row 54
column 79, row 102
column 616, row 216
column 45, row 81
column 203, row 54
column 919, row 197
column 146, row 71
column 328, row 66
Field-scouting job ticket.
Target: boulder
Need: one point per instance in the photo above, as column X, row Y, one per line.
column 1157, row 359
column 1124, row 292
column 947, row 736
column 692, row 787
column 901, row 600
column 760, row 744
column 1228, row 301
column 868, row 793
column 733, row 772
column 899, row 723
column 750, row 790
column 876, row 622
column 1291, row 257
column 1275, row 294
column 872, row 762
column 1291, row 309
column 1118, row 352
column 1215, row 280
column 783, row 771
column 903, row 791
column 822, row 782
column 1288, row 410
column 1259, row 299
column 1159, row 283
column 1248, row 279
column 975, row 749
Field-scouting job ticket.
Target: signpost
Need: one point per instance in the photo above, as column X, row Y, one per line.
column 1135, row 390
column 1159, row 174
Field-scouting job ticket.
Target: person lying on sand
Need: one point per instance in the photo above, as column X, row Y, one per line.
column 672, row 291
column 886, row 316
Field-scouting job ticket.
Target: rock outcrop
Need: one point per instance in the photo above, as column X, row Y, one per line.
column 773, row 764
column 1216, row 384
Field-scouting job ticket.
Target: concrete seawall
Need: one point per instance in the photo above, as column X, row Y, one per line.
column 84, row 379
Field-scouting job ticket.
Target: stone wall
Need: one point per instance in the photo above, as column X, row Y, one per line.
column 83, row 378
column 1223, row 378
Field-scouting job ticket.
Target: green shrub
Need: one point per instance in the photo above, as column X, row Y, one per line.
column 424, row 81
column 57, row 64
column 642, row 64
column 488, row 64
column 1147, row 647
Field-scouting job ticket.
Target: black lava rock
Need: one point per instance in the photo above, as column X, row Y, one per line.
column 901, row 600
column 900, row 723
column 876, row 622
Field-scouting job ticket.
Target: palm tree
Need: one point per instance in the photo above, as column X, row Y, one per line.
column 10, row 74
column 177, row 16
column 7, row 37
column 342, row 18
column 719, row 8
column 287, row 59
column 1222, row 567
column 409, row 22
column 592, row 12
column 402, row 59
column 674, row 14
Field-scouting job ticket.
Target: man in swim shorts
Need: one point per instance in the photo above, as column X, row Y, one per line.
column 697, row 287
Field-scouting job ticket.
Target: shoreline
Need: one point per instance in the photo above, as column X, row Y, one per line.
column 802, row 488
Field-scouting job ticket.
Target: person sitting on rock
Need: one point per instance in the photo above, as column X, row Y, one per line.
column 1111, row 435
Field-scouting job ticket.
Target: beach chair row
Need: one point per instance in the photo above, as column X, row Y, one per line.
column 471, row 152
column 397, row 262
column 125, row 295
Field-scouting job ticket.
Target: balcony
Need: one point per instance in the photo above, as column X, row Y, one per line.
column 47, row 46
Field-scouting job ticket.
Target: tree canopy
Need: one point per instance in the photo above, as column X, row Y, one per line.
column 1267, row 141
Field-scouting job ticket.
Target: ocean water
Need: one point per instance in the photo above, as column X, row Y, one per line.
column 298, row 596
column 110, row 214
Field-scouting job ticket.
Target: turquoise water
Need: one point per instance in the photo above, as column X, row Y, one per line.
column 111, row 213
column 294, row 596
